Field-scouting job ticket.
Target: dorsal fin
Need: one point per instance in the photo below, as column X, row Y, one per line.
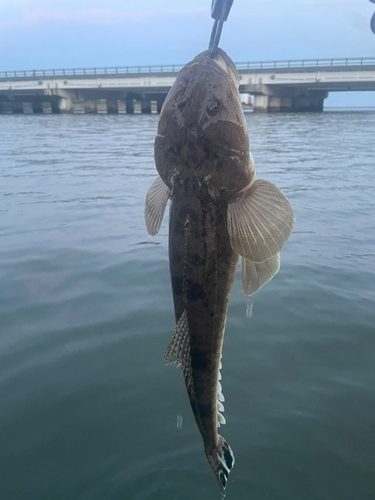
column 178, row 350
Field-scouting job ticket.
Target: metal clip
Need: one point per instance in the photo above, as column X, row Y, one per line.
column 219, row 11
column 372, row 22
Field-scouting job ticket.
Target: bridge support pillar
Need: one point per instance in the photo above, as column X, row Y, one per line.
column 278, row 104
column 146, row 105
column 6, row 107
column 261, row 103
column 129, row 106
column 312, row 101
column 274, row 104
column 112, row 106
column 90, row 106
column 17, row 107
column 37, row 107
column 65, row 105
column 286, row 104
column 55, row 108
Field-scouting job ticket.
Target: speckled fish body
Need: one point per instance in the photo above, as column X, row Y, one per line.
column 218, row 213
column 203, row 266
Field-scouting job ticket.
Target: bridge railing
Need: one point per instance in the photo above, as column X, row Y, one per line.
column 121, row 70
column 308, row 63
column 173, row 68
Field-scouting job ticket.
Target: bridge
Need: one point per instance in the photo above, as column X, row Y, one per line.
column 277, row 86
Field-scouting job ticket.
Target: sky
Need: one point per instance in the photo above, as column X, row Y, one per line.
column 45, row 34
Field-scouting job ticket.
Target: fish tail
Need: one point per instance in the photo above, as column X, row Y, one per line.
column 221, row 460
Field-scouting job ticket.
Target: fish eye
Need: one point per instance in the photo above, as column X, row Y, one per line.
column 213, row 107
column 181, row 101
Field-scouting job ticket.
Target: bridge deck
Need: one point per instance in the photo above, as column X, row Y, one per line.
column 298, row 65
column 277, row 85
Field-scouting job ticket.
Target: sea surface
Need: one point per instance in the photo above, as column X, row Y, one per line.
column 89, row 411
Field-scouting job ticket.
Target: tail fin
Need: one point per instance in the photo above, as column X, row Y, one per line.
column 221, row 460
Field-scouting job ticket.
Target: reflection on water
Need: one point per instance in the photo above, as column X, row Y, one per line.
column 88, row 407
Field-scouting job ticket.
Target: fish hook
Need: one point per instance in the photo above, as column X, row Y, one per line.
column 372, row 23
column 219, row 11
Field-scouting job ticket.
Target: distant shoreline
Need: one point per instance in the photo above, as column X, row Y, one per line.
column 349, row 107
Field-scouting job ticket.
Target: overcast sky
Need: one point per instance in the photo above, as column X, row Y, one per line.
column 37, row 34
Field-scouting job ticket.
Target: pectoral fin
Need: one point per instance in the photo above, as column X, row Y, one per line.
column 260, row 222
column 156, row 201
column 254, row 275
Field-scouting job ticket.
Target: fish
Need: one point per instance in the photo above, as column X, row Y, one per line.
column 219, row 212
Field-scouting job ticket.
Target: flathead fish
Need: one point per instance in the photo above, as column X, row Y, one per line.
column 218, row 212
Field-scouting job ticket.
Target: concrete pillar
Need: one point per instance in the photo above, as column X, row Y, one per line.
column 65, row 105
column 301, row 103
column 286, row 104
column 112, row 106
column 90, row 106
column 274, row 104
column 312, row 101
column 37, row 107
column 316, row 98
column 6, row 107
column 261, row 103
column 55, row 108
column 146, row 105
column 17, row 107
column 129, row 106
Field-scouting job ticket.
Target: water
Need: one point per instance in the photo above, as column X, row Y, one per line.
column 88, row 409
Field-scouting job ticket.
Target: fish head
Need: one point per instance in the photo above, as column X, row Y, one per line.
column 202, row 133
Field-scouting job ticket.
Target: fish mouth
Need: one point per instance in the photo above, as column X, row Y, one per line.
column 221, row 61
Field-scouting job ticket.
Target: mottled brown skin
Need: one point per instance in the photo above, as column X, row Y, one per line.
column 214, row 149
column 202, row 154
column 203, row 267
